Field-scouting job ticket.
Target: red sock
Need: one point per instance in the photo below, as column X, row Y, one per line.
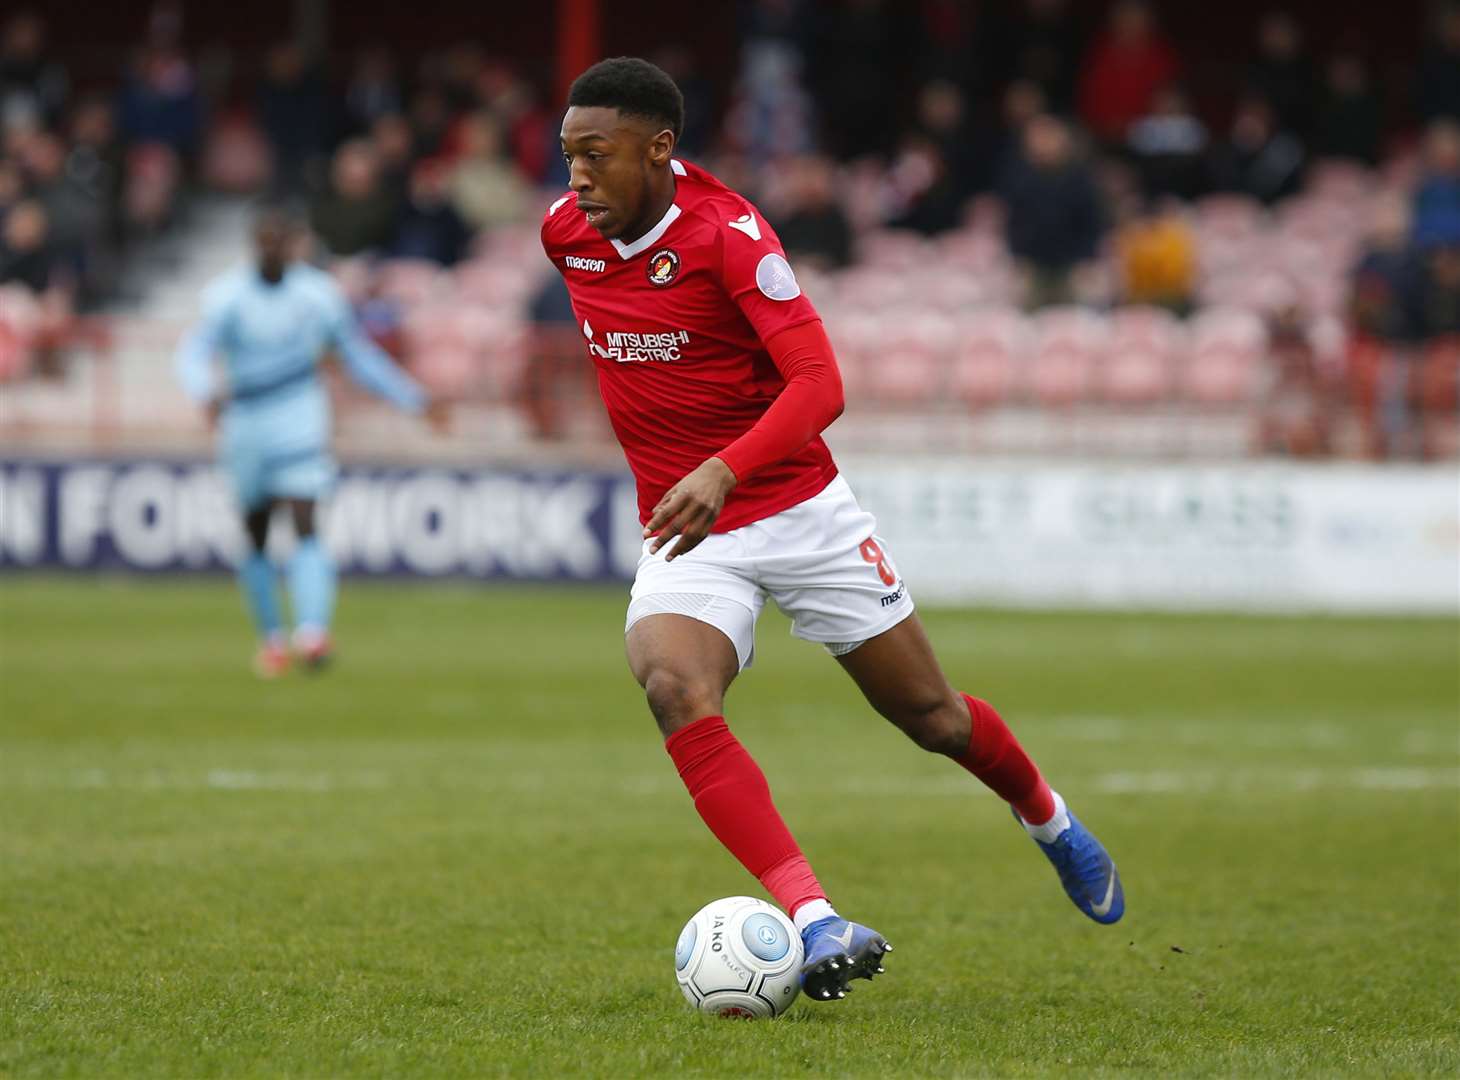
column 996, row 758
column 732, row 796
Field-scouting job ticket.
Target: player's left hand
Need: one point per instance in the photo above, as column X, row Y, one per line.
column 690, row 508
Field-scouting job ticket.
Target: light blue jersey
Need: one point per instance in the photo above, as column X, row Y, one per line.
column 275, row 430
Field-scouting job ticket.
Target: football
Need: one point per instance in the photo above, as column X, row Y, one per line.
column 739, row 957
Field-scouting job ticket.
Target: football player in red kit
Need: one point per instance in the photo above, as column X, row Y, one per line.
column 719, row 380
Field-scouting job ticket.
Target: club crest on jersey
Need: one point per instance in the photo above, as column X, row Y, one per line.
column 663, row 267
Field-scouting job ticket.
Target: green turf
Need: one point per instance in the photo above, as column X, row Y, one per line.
column 463, row 851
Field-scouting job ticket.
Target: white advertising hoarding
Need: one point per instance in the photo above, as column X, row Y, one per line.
column 1259, row 536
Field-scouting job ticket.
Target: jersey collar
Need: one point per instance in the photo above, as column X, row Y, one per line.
column 628, row 251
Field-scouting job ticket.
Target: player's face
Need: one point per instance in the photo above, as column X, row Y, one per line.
column 615, row 164
column 273, row 240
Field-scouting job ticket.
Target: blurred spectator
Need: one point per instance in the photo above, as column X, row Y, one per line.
column 12, row 186
column 529, row 135
column 354, row 215
column 485, row 189
column 1023, row 100
column 770, row 114
column 1294, row 413
column 1385, row 282
column 457, row 73
column 153, row 174
column 1437, row 199
column 1259, row 159
column 1350, row 115
column 73, row 216
column 1125, row 67
column 24, row 259
column 1169, row 147
column 1439, row 73
column 1438, row 307
column 394, row 145
column 430, row 122
column 30, row 84
column 1042, row 41
column 942, row 119
column 293, row 110
column 31, row 293
column 160, row 102
column 95, row 161
column 1054, row 218
column 1384, row 311
column 924, row 188
column 373, row 91
column 1156, row 250
column 1283, row 75
column 430, row 228
column 814, row 230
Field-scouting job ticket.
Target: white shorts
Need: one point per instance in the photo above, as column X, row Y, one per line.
column 821, row 561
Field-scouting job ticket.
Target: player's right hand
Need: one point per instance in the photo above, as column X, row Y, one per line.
column 690, row 508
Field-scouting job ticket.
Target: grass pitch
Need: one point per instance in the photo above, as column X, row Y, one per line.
column 463, row 851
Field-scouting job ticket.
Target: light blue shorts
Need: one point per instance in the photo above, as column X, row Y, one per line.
column 260, row 475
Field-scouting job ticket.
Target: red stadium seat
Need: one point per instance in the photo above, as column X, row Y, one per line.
column 894, row 249
column 490, row 281
column 912, row 357
column 855, row 337
column 1225, row 360
column 1068, row 344
column 1137, row 365
column 987, row 356
column 412, row 281
column 1228, row 216
column 1438, row 389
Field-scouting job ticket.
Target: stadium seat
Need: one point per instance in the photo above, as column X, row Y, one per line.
column 486, row 280
column 911, row 358
column 411, row 281
column 1068, row 344
column 855, row 337
column 987, row 356
column 894, row 249
column 1438, row 389
column 1224, row 361
column 1337, row 180
column 1229, row 216
column 873, row 288
column 1136, row 368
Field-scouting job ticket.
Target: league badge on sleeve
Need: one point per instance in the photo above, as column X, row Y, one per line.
column 663, row 267
column 775, row 278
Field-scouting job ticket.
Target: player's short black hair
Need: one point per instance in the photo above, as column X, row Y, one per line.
column 632, row 86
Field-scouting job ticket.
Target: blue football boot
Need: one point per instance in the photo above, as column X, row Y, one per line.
column 838, row 951
column 1086, row 871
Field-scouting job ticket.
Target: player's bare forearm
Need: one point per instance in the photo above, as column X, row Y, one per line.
column 688, row 509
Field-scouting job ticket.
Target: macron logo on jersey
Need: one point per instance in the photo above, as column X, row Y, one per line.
column 576, row 262
column 747, row 224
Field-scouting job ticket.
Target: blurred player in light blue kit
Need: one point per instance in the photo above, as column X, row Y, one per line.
column 270, row 323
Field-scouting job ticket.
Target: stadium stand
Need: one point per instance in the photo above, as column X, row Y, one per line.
column 939, row 327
